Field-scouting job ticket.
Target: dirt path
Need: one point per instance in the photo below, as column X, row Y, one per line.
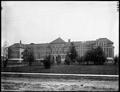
column 25, row 84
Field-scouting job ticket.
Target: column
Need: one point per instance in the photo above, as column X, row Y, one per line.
column 112, row 51
column 108, row 53
column 20, row 56
column 105, row 51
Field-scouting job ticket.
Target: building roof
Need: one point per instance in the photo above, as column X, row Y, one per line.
column 15, row 45
column 58, row 40
column 104, row 39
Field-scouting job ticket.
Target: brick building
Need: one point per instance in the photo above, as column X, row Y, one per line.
column 60, row 47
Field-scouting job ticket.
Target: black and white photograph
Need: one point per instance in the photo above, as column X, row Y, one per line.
column 59, row 46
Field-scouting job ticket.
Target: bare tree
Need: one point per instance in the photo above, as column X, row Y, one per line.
column 5, row 54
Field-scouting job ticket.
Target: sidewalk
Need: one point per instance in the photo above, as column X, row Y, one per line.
column 100, row 75
column 16, row 65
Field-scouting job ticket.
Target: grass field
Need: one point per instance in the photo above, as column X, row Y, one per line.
column 67, row 69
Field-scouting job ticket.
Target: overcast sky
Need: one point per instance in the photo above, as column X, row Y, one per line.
column 43, row 22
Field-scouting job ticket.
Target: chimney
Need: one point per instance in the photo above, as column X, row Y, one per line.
column 20, row 42
column 68, row 40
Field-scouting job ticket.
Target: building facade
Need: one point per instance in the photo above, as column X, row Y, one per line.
column 60, row 47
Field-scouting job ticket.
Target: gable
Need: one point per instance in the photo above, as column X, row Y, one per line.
column 58, row 40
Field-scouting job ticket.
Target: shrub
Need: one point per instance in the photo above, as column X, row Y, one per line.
column 80, row 60
column 67, row 60
column 52, row 59
column 116, row 59
column 28, row 56
column 5, row 63
column 46, row 62
column 58, row 59
column 97, row 56
column 72, row 53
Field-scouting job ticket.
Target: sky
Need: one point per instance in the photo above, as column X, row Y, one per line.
column 45, row 21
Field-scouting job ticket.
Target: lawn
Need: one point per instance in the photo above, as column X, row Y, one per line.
column 67, row 69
